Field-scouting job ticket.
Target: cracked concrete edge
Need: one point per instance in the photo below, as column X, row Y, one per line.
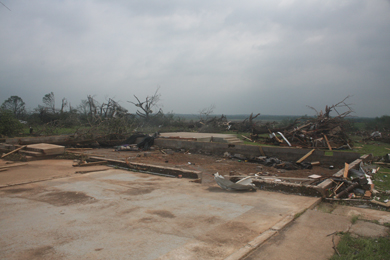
column 252, row 245
column 259, row 240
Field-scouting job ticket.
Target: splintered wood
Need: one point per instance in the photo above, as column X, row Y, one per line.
column 304, row 157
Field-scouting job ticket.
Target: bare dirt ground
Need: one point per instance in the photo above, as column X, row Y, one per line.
column 207, row 164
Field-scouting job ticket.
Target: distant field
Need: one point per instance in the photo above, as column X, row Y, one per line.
column 241, row 117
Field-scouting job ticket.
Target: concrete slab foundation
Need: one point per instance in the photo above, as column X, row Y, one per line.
column 119, row 214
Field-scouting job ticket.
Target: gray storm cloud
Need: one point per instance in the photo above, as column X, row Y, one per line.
column 272, row 57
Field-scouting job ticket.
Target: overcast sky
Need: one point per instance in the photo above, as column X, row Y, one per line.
column 269, row 57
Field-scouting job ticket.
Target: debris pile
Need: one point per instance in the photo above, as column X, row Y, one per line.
column 279, row 164
column 322, row 131
column 241, row 185
column 378, row 136
column 353, row 184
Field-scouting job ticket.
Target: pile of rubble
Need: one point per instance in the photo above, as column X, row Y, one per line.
column 322, row 131
column 378, row 136
column 353, row 184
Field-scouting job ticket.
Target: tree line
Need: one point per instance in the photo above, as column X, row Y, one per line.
column 89, row 113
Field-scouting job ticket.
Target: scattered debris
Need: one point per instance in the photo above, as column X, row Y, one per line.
column 147, row 142
column 352, row 184
column 322, row 131
column 305, row 156
column 241, row 185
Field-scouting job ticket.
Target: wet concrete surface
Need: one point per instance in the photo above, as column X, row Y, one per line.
column 118, row 214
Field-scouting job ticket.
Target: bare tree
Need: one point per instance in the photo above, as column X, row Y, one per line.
column 112, row 109
column 50, row 102
column 146, row 106
column 205, row 113
column 340, row 105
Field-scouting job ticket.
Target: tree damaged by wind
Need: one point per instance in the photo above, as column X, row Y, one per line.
column 146, row 112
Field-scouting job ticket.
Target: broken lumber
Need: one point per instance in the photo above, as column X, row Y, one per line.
column 381, row 203
column 327, row 142
column 17, row 149
column 305, row 156
column 346, row 169
column 344, row 192
column 247, row 138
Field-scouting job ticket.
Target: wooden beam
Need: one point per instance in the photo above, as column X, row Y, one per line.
column 20, row 148
column 305, row 156
column 327, row 142
column 247, row 138
column 346, row 169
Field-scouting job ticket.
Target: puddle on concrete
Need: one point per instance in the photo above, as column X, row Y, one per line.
column 65, row 198
column 161, row 213
column 138, row 191
column 42, row 252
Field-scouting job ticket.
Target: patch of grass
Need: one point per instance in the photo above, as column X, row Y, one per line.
column 363, row 248
column 375, row 147
column 382, row 180
column 69, row 156
column 354, row 219
column 299, row 214
column 326, row 207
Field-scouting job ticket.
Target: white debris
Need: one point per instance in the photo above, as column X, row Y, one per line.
column 244, row 184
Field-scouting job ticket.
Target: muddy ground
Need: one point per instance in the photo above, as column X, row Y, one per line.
column 207, row 164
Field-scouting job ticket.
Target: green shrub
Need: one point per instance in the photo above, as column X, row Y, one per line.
column 9, row 125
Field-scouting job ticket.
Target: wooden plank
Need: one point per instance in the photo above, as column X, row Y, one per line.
column 381, row 203
column 20, row 148
column 367, row 194
column 247, row 138
column 305, row 156
column 315, row 163
column 338, row 186
column 327, row 142
column 346, row 169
